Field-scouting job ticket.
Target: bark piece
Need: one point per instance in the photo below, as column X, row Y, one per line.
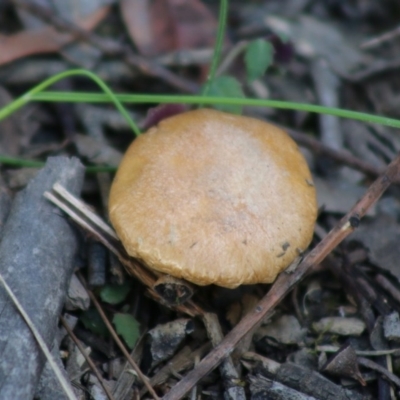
column 340, row 326
column 344, row 364
column 391, row 326
column 36, row 259
column 285, row 330
column 312, row 383
column 77, row 296
column 264, row 388
column 97, row 264
column 381, row 237
column 302, row 379
column 163, row 340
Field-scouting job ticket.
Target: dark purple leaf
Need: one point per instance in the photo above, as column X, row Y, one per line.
column 157, row 114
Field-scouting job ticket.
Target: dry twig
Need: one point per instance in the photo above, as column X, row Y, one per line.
column 340, row 156
column 365, row 362
column 380, row 39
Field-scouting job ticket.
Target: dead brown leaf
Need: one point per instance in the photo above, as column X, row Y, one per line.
column 161, row 26
column 44, row 40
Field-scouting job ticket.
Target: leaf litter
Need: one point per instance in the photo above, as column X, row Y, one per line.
column 366, row 80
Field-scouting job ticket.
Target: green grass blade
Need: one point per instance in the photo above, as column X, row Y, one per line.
column 22, row 162
column 223, row 12
column 24, row 99
column 156, row 99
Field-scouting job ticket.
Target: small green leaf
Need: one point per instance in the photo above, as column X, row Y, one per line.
column 127, row 327
column 114, row 294
column 258, row 57
column 91, row 320
column 226, row 86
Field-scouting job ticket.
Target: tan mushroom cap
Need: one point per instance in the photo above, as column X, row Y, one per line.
column 214, row 198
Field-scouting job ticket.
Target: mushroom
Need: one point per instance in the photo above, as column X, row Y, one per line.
column 214, row 198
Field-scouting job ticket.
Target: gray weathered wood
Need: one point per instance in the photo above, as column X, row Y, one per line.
column 5, row 205
column 37, row 253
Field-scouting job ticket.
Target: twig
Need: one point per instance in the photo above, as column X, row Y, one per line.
column 228, row 371
column 377, row 67
column 286, row 282
column 386, row 284
column 339, row 156
column 357, row 285
column 108, row 47
column 368, row 353
column 110, row 328
column 380, row 39
column 365, row 362
column 234, row 52
column 87, row 358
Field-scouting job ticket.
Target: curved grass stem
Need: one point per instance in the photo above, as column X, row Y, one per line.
column 223, row 12
column 29, row 96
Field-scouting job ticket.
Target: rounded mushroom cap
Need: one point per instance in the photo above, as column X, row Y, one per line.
column 214, row 198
